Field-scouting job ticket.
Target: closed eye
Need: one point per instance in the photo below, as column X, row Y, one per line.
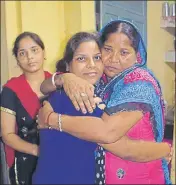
column 107, row 49
column 124, row 53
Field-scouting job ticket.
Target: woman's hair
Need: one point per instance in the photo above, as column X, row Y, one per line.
column 23, row 35
column 121, row 27
column 71, row 47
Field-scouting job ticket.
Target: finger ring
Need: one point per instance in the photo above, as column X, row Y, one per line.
column 83, row 94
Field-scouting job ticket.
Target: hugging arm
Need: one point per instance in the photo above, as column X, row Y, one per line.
column 99, row 130
column 73, row 86
column 47, row 86
column 139, row 150
column 134, row 150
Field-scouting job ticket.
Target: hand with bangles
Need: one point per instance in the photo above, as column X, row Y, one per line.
column 44, row 115
column 47, row 117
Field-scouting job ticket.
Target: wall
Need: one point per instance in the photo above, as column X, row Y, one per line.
column 159, row 41
column 54, row 21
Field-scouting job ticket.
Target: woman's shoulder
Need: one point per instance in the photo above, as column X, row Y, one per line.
column 138, row 74
column 58, row 95
column 13, row 81
column 142, row 75
column 47, row 74
column 8, row 100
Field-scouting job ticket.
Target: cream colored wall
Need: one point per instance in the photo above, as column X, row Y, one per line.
column 79, row 16
column 54, row 21
column 158, row 42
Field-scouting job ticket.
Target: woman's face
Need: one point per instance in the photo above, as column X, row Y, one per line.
column 30, row 55
column 117, row 54
column 87, row 62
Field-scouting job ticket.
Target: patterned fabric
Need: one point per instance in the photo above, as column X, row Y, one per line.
column 100, row 166
column 137, row 85
column 100, row 152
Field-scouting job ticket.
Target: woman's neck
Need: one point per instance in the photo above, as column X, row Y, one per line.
column 35, row 80
column 37, row 76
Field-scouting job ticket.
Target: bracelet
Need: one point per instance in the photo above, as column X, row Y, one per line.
column 60, row 123
column 52, row 79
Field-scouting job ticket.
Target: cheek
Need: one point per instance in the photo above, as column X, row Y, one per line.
column 40, row 58
column 76, row 69
column 105, row 58
column 128, row 62
column 100, row 67
column 22, row 63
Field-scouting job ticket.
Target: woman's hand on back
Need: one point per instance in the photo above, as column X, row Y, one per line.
column 79, row 91
column 44, row 112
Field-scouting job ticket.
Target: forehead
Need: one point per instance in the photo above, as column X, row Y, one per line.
column 87, row 46
column 26, row 43
column 118, row 38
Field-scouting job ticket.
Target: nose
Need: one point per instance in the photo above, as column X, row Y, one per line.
column 29, row 54
column 115, row 58
column 91, row 63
